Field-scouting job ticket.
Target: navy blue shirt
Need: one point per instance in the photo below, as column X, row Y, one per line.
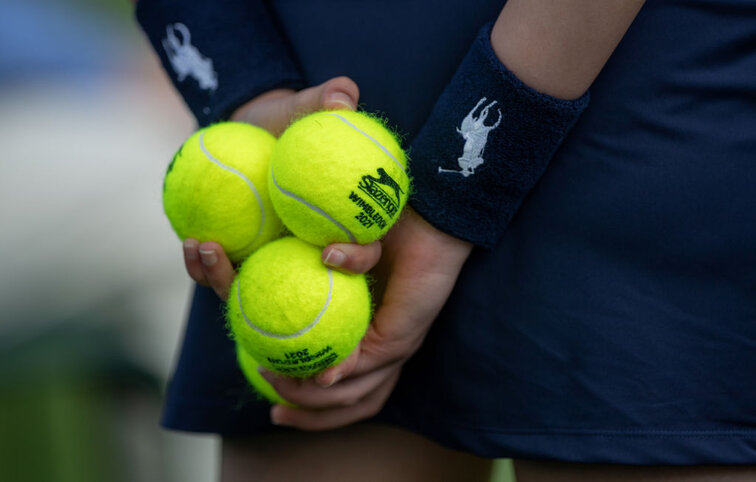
column 616, row 320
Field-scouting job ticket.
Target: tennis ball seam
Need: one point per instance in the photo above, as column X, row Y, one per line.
column 319, row 210
column 375, row 141
column 286, row 336
column 315, row 208
column 244, row 178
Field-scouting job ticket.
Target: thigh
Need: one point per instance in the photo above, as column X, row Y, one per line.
column 536, row 471
column 364, row 452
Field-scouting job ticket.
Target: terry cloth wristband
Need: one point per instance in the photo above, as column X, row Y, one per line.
column 218, row 54
column 486, row 143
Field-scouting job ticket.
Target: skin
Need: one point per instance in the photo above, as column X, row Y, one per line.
column 557, row 48
column 360, row 452
column 350, row 451
column 416, row 264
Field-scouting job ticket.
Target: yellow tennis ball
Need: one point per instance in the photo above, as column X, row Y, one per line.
column 248, row 366
column 294, row 315
column 216, row 188
column 338, row 176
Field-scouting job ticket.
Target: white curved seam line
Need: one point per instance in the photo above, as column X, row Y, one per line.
column 314, row 208
column 284, row 336
column 381, row 146
column 244, row 178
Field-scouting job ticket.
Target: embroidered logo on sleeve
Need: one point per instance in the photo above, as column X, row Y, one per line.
column 475, row 133
column 186, row 60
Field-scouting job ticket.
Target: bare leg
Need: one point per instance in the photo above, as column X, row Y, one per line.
column 536, row 471
column 364, row 452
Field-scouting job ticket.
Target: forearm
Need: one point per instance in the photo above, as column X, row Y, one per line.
column 558, row 48
column 516, row 95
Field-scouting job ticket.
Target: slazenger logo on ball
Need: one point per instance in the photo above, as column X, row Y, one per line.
column 375, row 188
column 371, row 186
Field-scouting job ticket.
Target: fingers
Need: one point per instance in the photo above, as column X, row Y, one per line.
column 392, row 337
column 192, row 261
column 377, row 350
column 335, row 417
column 336, row 93
column 340, row 93
column 308, row 395
column 352, row 258
column 276, row 109
column 333, row 374
column 208, row 265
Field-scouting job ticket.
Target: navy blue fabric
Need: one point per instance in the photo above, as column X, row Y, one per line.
column 208, row 392
column 523, row 128
column 242, row 51
column 615, row 321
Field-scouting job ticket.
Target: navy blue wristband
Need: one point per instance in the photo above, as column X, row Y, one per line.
column 486, row 143
column 218, row 54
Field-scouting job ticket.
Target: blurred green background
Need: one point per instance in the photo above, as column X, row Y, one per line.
column 92, row 287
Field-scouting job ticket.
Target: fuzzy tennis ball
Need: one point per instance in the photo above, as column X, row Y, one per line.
column 261, row 386
column 294, row 315
column 216, row 188
column 338, row 176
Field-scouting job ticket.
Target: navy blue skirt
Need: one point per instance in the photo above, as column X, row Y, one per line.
column 616, row 320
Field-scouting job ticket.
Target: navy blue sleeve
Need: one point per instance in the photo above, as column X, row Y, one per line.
column 218, row 54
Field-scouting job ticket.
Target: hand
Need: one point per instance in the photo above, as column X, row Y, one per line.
column 276, row 109
column 207, row 263
column 416, row 272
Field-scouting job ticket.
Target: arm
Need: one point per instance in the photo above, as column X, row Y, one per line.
column 219, row 54
column 234, row 81
column 557, row 48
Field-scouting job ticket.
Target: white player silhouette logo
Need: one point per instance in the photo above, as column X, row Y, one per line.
column 186, row 59
column 475, row 133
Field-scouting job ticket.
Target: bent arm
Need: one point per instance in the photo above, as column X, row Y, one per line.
column 558, row 48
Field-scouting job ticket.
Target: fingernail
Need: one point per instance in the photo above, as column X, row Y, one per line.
column 341, row 98
column 335, row 258
column 333, row 381
column 209, row 258
column 190, row 249
column 275, row 415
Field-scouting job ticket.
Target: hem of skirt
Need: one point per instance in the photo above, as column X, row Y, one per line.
column 211, row 418
column 630, row 447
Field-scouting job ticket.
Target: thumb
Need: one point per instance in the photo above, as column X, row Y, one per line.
column 337, row 93
column 276, row 109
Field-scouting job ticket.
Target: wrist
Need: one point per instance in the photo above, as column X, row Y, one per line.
column 453, row 250
column 486, row 143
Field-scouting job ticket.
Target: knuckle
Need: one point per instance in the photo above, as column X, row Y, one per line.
column 362, row 258
column 349, row 400
column 283, row 388
column 291, row 390
column 357, row 264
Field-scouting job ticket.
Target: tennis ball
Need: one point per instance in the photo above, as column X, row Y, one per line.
column 294, row 315
column 338, row 176
column 261, row 386
column 216, row 188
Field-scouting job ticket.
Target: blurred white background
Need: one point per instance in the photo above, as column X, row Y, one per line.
column 88, row 262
